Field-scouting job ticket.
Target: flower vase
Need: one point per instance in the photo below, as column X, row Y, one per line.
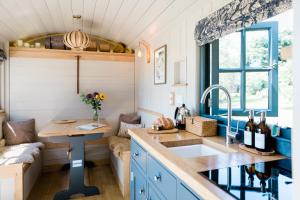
column 96, row 115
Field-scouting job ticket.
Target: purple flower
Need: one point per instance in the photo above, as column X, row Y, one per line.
column 89, row 96
column 95, row 94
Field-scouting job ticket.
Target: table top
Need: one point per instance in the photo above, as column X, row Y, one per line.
column 53, row 129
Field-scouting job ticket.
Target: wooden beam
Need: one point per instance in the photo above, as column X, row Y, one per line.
column 69, row 54
column 78, row 60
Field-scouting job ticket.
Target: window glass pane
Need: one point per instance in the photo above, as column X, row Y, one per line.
column 257, row 84
column 230, row 81
column 230, row 51
column 257, row 49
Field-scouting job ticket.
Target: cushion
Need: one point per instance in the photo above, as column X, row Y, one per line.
column 22, row 153
column 130, row 118
column 2, row 120
column 123, row 131
column 118, row 145
column 19, row 132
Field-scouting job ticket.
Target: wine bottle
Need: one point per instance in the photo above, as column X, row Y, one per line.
column 249, row 133
column 263, row 135
column 250, row 170
column 263, row 173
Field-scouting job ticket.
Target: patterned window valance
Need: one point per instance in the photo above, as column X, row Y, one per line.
column 2, row 55
column 237, row 15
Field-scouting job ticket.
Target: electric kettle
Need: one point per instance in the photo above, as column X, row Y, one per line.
column 180, row 114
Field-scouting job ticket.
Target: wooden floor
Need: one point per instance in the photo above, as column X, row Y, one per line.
column 100, row 176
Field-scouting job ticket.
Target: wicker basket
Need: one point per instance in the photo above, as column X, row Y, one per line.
column 201, row 126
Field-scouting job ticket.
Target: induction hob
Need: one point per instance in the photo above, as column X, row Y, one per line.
column 267, row 180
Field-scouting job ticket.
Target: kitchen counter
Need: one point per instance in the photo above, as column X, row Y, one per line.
column 187, row 169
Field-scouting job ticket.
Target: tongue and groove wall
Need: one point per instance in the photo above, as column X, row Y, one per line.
column 45, row 89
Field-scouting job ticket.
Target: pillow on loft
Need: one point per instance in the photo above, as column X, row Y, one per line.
column 19, row 132
column 123, row 131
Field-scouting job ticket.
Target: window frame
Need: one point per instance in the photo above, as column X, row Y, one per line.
column 272, row 70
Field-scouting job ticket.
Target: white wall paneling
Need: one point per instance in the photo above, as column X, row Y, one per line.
column 175, row 28
column 120, row 20
column 45, row 89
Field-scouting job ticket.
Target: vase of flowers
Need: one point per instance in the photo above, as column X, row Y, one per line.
column 94, row 99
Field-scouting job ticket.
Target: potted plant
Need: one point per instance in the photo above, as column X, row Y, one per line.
column 94, row 99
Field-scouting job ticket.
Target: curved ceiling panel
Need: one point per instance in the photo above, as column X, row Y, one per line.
column 118, row 20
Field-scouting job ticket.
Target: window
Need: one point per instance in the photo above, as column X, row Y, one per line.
column 246, row 63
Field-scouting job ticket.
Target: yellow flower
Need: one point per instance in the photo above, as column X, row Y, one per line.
column 102, row 96
column 98, row 97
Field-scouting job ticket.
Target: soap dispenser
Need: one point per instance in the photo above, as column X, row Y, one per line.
column 249, row 133
column 263, row 134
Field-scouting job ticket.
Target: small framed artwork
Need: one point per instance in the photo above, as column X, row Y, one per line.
column 160, row 65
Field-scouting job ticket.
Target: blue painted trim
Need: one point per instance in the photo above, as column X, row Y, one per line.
column 272, row 28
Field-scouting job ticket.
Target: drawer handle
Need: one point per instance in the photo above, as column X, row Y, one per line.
column 136, row 154
column 141, row 191
column 157, row 178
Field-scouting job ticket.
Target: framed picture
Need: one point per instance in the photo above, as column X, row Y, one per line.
column 160, row 65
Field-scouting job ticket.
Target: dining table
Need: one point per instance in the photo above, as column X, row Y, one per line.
column 70, row 132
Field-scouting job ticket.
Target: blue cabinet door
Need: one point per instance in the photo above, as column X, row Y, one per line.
column 184, row 193
column 138, row 183
column 153, row 194
column 139, row 155
column 161, row 178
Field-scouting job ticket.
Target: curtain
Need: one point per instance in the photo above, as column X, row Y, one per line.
column 235, row 16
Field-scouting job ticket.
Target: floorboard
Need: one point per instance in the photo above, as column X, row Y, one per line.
column 101, row 176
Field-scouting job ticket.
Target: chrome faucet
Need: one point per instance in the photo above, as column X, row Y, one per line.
column 229, row 135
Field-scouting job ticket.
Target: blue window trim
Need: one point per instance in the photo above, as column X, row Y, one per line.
column 214, row 71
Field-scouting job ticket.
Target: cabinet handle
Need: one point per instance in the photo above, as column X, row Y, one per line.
column 141, row 191
column 157, row 178
column 136, row 154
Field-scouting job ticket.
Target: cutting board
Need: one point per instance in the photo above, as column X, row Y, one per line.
column 254, row 151
column 174, row 130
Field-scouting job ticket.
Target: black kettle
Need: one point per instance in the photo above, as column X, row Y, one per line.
column 180, row 114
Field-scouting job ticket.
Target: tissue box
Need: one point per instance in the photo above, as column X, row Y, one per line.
column 201, row 126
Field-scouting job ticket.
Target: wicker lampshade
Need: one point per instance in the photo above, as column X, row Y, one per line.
column 76, row 40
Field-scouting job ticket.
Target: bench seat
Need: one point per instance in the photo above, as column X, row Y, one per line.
column 120, row 162
column 19, row 169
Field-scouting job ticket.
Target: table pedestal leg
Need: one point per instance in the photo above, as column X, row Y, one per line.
column 76, row 184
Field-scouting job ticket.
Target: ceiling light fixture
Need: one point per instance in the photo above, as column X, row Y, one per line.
column 77, row 40
column 147, row 47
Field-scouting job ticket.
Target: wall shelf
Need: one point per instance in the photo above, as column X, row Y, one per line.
column 69, row 54
column 180, row 85
column 180, row 73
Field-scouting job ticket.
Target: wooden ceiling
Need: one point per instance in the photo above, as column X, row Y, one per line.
column 127, row 21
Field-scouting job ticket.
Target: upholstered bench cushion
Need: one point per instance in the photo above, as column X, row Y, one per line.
column 21, row 153
column 118, row 145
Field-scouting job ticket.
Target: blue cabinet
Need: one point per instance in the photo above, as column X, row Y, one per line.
column 153, row 194
column 161, row 178
column 138, row 183
column 150, row 180
column 139, row 155
column 183, row 192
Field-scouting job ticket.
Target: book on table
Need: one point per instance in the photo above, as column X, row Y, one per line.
column 90, row 126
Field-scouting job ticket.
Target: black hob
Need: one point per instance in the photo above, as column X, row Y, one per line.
column 267, row 180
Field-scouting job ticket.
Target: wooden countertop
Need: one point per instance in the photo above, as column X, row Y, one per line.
column 55, row 130
column 187, row 168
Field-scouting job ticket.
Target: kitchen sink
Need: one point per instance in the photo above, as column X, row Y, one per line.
column 195, row 150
